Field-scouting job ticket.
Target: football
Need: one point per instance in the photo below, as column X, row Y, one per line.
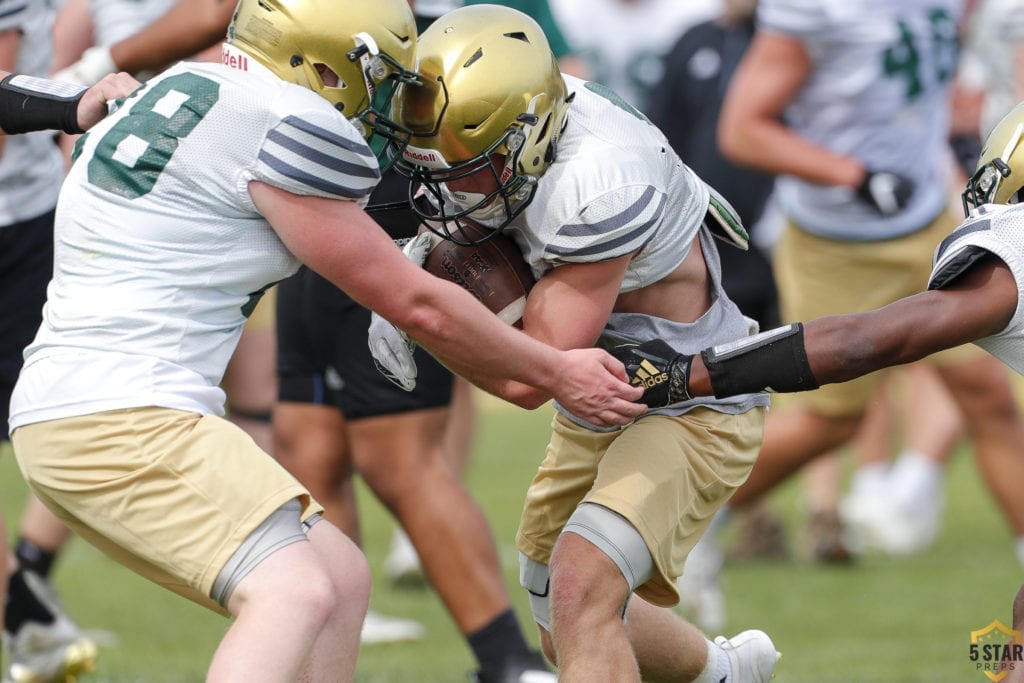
column 494, row 272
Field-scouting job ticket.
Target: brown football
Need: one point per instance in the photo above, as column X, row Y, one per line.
column 494, row 272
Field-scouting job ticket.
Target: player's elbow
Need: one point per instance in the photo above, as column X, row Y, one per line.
column 730, row 136
column 427, row 323
column 525, row 397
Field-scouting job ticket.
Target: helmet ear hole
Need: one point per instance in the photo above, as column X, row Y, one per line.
column 327, row 75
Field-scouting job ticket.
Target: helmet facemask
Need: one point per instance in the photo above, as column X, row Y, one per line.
column 354, row 54
column 382, row 76
column 510, row 191
column 984, row 185
column 1000, row 175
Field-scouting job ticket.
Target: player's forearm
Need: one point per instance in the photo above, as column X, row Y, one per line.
column 770, row 146
column 827, row 350
column 504, row 361
column 189, row 27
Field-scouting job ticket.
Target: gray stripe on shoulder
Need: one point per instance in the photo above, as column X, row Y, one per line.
column 617, row 244
column 976, row 226
column 610, row 223
column 4, row 13
column 327, row 136
column 313, row 181
column 334, row 162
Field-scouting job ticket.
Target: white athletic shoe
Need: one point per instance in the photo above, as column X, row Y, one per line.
column 752, row 656
column 885, row 526
column 519, row 669
column 379, row 628
column 402, row 565
column 49, row 653
column 700, row 592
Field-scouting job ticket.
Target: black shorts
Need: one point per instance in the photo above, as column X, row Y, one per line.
column 26, row 266
column 323, row 356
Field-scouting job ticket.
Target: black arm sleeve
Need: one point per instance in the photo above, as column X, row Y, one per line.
column 28, row 104
column 774, row 361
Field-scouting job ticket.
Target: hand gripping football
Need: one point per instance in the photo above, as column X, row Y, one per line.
column 494, row 272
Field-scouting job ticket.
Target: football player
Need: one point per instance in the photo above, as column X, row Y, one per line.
column 615, row 227
column 211, row 182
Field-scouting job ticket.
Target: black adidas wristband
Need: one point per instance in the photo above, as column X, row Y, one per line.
column 29, row 104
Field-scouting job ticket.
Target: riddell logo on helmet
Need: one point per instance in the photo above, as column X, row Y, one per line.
column 424, row 157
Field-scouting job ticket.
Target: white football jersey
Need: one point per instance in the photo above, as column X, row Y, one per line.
column 160, row 252
column 615, row 186
column 31, row 166
column 999, row 230
column 878, row 91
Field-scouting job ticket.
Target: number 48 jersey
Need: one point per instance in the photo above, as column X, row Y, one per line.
column 878, row 92
column 160, row 251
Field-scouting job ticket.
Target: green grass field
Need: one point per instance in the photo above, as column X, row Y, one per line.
column 885, row 620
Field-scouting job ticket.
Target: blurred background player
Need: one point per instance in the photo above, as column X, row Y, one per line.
column 622, row 42
column 338, row 415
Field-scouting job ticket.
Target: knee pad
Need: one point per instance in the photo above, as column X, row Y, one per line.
column 612, row 534
column 617, row 538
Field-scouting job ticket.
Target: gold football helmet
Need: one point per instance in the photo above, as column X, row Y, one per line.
column 490, row 99
column 1000, row 175
column 369, row 46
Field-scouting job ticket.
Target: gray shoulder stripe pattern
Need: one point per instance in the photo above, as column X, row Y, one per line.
column 12, row 11
column 610, row 223
column 327, row 136
column 975, row 226
column 617, row 244
column 314, row 181
column 332, row 162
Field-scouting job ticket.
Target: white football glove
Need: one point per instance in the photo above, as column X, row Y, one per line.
column 94, row 64
column 391, row 348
